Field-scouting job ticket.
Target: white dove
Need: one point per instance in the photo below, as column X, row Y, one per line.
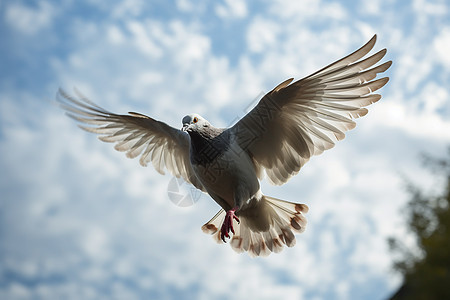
column 277, row 137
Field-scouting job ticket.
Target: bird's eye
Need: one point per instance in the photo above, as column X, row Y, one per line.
column 195, row 120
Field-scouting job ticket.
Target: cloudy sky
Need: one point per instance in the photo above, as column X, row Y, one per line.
column 79, row 220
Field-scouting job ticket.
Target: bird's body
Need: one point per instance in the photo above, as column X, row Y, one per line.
column 293, row 122
column 236, row 174
column 216, row 158
column 228, row 174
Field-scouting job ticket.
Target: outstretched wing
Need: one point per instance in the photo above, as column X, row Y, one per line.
column 296, row 121
column 135, row 134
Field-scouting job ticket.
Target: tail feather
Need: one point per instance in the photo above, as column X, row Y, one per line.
column 212, row 227
column 264, row 228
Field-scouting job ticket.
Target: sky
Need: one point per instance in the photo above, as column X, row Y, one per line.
column 79, row 220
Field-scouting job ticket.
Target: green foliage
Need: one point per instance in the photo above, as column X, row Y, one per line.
column 427, row 271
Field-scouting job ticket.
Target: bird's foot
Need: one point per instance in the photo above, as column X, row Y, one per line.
column 227, row 224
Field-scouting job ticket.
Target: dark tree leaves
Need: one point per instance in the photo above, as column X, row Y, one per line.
column 426, row 272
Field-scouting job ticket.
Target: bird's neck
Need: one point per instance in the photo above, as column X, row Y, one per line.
column 205, row 148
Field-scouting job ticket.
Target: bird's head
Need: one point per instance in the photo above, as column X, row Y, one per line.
column 194, row 123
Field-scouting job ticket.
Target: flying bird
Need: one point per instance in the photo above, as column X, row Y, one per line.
column 291, row 123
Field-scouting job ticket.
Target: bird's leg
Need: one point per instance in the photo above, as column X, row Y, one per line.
column 227, row 224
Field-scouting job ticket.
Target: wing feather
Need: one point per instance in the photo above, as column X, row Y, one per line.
column 135, row 134
column 297, row 120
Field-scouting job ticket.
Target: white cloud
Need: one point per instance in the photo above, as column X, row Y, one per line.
column 430, row 8
column 189, row 45
column 262, row 35
column 185, row 5
column 371, row 7
column 441, row 46
column 232, row 9
column 29, row 20
column 128, row 8
column 96, row 244
column 115, row 35
column 435, row 97
column 415, row 67
column 303, row 11
column 16, row 291
column 418, row 117
column 143, row 40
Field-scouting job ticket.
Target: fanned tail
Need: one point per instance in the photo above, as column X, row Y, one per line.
column 264, row 228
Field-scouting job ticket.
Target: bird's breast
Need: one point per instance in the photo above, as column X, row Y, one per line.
column 206, row 150
column 227, row 174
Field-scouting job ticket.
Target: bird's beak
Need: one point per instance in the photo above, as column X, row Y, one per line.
column 185, row 127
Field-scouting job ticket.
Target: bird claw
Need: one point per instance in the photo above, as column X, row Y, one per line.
column 227, row 224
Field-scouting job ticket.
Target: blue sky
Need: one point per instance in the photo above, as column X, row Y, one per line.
column 80, row 220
